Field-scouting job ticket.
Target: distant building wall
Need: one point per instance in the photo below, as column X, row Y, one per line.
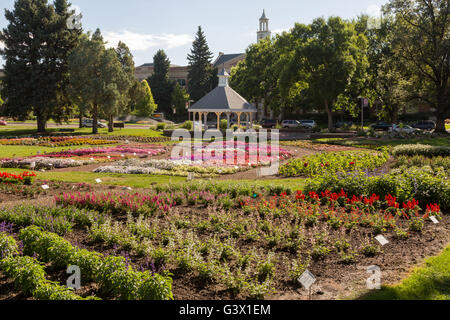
column 176, row 73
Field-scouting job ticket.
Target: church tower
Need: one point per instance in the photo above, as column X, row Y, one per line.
column 264, row 31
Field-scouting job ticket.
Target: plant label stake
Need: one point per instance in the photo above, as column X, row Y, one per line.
column 45, row 187
column 433, row 218
column 382, row 240
column 190, row 176
column 33, row 165
column 307, row 279
column 98, row 180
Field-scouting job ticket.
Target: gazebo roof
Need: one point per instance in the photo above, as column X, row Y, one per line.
column 222, row 99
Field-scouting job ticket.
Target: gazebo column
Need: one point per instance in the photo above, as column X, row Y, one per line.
column 247, row 119
column 205, row 115
column 239, row 120
column 251, row 120
column 228, row 120
column 218, row 114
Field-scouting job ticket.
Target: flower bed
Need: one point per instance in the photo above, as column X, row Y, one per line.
column 422, row 150
column 42, row 162
column 236, row 153
column 56, row 141
column 330, row 163
column 424, row 184
column 180, row 168
column 147, row 150
column 25, row 178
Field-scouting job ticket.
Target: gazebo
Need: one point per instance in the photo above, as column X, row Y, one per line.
column 223, row 100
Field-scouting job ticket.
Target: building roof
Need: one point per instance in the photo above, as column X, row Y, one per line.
column 226, row 57
column 151, row 65
column 263, row 17
column 222, row 99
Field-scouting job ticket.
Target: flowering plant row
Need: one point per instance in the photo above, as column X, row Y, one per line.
column 235, row 153
column 29, row 274
column 42, row 162
column 25, row 178
column 144, row 150
column 329, row 163
column 168, row 167
column 113, row 274
column 56, row 141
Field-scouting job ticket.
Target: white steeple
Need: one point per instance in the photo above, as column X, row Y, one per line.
column 223, row 78
column 263, row 31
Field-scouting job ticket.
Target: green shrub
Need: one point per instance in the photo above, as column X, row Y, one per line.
column 421, row 150
column 8, row 246
column 188, row 125
column 161, row 126
column 223, row 124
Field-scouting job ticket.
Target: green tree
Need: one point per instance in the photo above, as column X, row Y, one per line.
column 421, row 41
column 160, row 83
column 124, row 82
column 145, row 106
column 201, row 74
column 37, row 41
column 327, row 65
column 96, row 77
column 179, row 99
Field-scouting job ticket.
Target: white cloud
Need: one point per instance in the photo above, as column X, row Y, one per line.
column 142, row 42
column 373, row 10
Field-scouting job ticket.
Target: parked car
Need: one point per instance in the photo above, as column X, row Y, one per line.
column 382, row 126
column 269, row 124
column 290, row 124
column 342, row 124
column 89, row 123
column 425, row 125
column 309, row 124
column 3, row 123
column 405, row 129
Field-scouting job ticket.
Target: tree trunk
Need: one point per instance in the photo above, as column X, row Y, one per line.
column 95, row 119
column 41, row 123
column 443, row 111
column 80, row 122
column 111, row 124
column 330, row 116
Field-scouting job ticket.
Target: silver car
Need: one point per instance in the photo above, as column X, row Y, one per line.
column 89, row 123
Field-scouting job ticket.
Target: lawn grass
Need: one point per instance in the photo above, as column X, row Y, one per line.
column 430, row 282
column 20, row 131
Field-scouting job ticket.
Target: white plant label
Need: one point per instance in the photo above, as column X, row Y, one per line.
column 92, row 159
column 45, row 187
column 435, row 221
column 382, row 240
column 32, row 165
column 307, row 279
column 109, row 157
column 190, row 176
column 98, row 180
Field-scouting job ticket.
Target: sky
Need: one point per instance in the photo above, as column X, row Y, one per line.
column 230, row 26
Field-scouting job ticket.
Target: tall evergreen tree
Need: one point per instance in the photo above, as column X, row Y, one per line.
column 160, row 83
column 201, row 75
column 37, row 41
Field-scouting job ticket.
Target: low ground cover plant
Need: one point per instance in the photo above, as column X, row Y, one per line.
column 421, row 150
column 330, row 163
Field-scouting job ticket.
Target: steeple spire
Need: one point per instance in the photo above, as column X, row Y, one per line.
column 263, row 31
